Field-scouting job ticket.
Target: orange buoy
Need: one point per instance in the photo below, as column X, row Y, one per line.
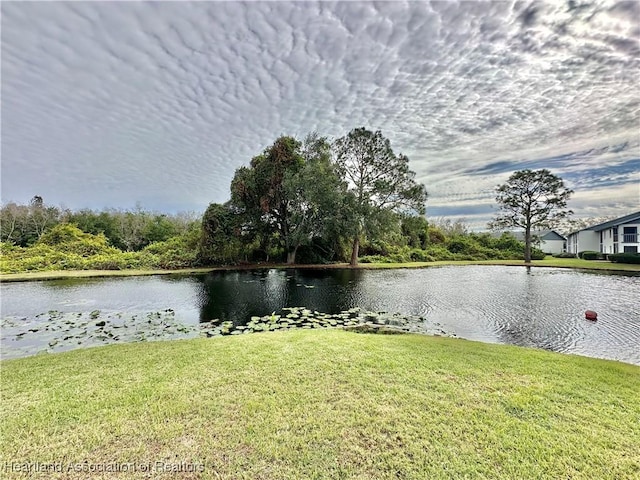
column 590, row 315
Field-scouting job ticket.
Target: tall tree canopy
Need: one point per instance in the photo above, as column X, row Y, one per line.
column 290, row 193
column 531, row 199
column 319, row 202
column 258, row 191
column 380, row 181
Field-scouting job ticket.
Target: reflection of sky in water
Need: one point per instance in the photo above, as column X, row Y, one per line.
column 541, row 307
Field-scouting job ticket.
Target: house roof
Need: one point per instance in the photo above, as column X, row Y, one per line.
column 551, row 235
column 611, row 223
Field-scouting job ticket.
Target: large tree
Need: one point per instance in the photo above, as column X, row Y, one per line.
column 290, row 195
column 380, row 181
column 532, row 200
column 318, row 198
column 260, row 195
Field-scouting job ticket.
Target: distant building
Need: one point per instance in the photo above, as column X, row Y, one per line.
column 615, row 236
column 549, row 241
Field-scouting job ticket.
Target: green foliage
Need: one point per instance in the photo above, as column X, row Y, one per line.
column 69, row 238
column 259, row 194
column 436, row 237
column 589, row 255
column 220, row 242
column 375, row 259
column 319, row 204
column 485, row 247
column 564, row 255
column 415, row 231
column 23, row 225
column 624, row 258
column 536, row 254
column 66, row 247
column 177, row 252
column 507, row 242
column 159, row 229
column 98, row 222
column 290, row 196
column 36, row 258
column 439, row 252
column 118, row 261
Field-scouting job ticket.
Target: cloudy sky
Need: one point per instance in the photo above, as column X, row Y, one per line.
column 105, row 104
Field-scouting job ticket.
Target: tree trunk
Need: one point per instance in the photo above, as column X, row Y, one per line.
column 291, row 256
column 354, row 251
column 527, row 244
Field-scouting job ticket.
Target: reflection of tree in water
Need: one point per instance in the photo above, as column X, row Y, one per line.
column 237, row 296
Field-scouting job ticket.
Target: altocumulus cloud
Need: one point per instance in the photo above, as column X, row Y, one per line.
column 109, row 103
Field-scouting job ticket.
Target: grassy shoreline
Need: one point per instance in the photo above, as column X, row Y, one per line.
column 323, row 404
column 548, row 262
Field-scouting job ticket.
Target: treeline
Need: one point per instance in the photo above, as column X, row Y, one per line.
column 308, row 201
column 313, row 201
column 38, row 236
column 127, row 230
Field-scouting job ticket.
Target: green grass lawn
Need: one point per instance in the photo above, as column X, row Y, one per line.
column 577, row 263
column 322, row 404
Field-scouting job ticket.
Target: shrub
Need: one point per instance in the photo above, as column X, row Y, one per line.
column 436, row 237
column 418, row 255
column 537, row 254
column 438, row 252
column 174, row 253
column 625, row 258
column 591, row 255
column 564, row 255
column 69, row 238
column 375, row 259
column 115, row 261
column 459, row 245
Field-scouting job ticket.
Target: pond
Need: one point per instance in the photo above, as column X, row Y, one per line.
column 536, row 307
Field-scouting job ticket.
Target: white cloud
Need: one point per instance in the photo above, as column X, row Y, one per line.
column 109, row 103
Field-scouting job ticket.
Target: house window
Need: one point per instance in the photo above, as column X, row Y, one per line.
column 630, row 235
column 615, row 234
column 630, row 249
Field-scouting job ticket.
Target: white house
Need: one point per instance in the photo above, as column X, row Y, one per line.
column 549, row 241
column 614, row 236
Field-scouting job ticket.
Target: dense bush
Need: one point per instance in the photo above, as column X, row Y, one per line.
column 624, row 258
column 536, row 254
column 375, row 259
column 118, row 261
column 178, row 252
column 44, row 257
column 588, row 255
column 70, row 239
column 436, row 237
column 564, row 255
column 65, row 247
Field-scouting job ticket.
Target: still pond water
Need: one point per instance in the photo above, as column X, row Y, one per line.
column 539, row 307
